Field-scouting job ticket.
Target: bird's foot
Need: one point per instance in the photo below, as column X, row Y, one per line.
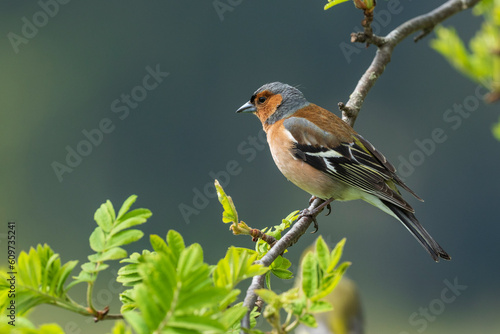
column 313, row 213
column 307, row 213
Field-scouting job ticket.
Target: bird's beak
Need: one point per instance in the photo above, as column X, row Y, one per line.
column 246, row 108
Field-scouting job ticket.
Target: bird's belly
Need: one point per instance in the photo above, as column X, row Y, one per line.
column 312, row 180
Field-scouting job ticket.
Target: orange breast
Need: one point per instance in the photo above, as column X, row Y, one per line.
column 298, row 171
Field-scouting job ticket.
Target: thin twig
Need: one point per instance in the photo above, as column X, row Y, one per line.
column 424, row 23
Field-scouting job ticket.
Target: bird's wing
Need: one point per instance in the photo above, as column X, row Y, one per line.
column 355, row 163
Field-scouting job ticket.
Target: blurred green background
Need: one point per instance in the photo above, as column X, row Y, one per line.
column 65, row 77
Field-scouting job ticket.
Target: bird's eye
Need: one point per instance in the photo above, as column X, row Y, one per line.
column 262, row 99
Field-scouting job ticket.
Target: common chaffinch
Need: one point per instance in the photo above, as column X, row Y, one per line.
column 324, row 156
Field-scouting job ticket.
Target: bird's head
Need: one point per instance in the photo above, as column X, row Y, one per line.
column 274, row 101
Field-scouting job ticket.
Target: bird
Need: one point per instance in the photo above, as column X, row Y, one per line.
column 321, row 154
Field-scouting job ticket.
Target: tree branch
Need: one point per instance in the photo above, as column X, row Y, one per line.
column 386, row 45
column 350, row 111
column 291, row 237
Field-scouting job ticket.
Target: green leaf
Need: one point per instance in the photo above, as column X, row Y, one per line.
column 229, row 215
column 323, row 253
column 176, row 243
column 201, row 299
column 330, row 4
column 104, row 217
column 137, row 322
column 65, row 271
column 330, row 281
column 132, row 218
column 126, row 206
column 282, row 273
column 97, row 240
column 159, row 245
column 308, row 320
column 268, row 280
column 111, row 254
column 335, row 255
column 83, row 276
column 496, row 130
column 233, row 315
column 191, row 258
column 309, row 275
column 229, row 299
column 91, row 267
column 124, row 238
column 120, row 328
column 197, row 323
column 268, row 296
column 237, row 265
column 319, row 306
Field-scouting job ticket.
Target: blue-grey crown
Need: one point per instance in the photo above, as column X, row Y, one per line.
column 293, row 99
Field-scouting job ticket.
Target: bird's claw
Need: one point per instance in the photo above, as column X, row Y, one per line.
column 308, row 213
column 329, row 207
column 312, row 214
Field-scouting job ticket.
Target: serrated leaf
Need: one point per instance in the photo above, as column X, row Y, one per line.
column 330, row 281
column 208, row 297
column 90, row 267
column 48, row 266
column 126, row 206
column 323, row 253
column 83, row 277
column 319, row 306
column 124, row 238
column 110, row 209
column 233, row 315
column 176, row 243
column 335, row 255
column 132, row 218
column 291, row 218
column 282, row 273
column 237, row 265
column 115, row 253
column 97, row 240
column 66, row 270
column 309, row 275
column 159, row 245
column 229, row 215
column 129, row 280
column 191, row 258
column 103, row 218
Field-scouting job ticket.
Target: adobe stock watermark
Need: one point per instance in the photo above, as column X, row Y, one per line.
column 121, row 107
column 223, row 6
column 30, row 26
column 421, row 319
column 381, row 19
column 453, row 119
column 202, row 196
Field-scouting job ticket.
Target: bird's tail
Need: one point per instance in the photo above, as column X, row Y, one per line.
column 418, row 231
